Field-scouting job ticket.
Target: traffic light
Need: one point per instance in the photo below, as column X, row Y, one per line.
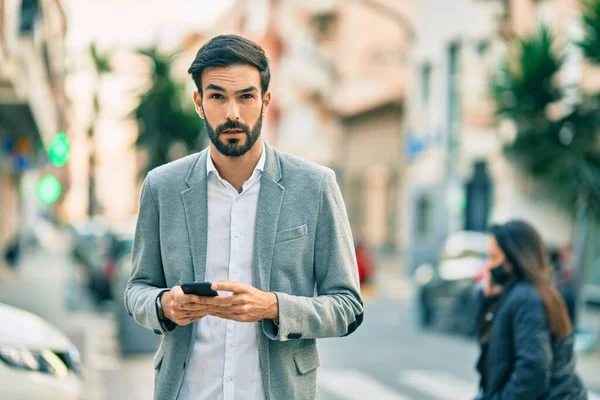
column 49, row 189
column 59, row 150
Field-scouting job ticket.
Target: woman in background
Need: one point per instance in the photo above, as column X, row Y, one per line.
column 524, row 328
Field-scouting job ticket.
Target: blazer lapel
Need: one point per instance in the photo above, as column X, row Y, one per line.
column 270, row 200
column 195, row 203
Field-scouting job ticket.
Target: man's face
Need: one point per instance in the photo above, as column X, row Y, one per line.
column 232, row 107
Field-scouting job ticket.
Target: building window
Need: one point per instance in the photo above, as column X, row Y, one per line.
column 454, row 103
column 29, row 15
column 425, row 84
column 357, row 201
column 324, row 26
column 423, row 216
column 483, row 48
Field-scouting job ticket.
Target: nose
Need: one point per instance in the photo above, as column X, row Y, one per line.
column 233, row 114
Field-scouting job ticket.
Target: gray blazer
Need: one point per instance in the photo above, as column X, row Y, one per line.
column 303, row 252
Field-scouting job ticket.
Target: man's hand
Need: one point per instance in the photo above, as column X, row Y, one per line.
column 246, row 303
column 181, row 308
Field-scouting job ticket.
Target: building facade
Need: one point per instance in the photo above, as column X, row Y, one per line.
column 458, row 177
column 32, row 106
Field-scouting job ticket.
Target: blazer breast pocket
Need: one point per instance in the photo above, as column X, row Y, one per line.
column 291, row 234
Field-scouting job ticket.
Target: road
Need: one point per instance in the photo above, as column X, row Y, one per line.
column 387, row 358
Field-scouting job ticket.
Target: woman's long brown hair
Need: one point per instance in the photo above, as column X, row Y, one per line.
column 526, row 252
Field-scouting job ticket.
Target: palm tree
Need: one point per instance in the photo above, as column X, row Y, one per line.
column 165, row 123
column 558, row 150
column 591, row 24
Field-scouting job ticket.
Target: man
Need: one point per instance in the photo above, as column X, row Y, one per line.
column 269, row 230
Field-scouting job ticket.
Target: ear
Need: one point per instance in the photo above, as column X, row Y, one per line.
column 266, row 103
column 198, row 104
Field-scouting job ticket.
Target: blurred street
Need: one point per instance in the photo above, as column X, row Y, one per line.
column 437, row 129
column 388, row 358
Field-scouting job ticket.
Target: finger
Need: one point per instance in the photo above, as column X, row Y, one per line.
column 192, row 307
column 210, row 301
column 218, row 301
column 230, row 286
column 236, row 310
column 187, row 317
column 176, row 290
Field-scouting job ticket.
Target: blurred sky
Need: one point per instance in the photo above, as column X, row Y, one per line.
column 138, row 23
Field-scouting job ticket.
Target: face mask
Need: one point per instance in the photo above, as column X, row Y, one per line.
column 499, row 275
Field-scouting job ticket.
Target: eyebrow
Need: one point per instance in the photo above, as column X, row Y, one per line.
column 241, row 91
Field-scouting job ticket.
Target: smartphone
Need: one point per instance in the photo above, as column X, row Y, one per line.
column 199, row 289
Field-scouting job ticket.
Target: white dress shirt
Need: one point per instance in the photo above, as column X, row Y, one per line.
column 224, row 364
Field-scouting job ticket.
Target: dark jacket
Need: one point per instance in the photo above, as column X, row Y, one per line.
column 524, row 361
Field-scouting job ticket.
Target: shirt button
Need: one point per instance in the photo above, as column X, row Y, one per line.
column 229, row 380
column 236, row 235
column 232, row 344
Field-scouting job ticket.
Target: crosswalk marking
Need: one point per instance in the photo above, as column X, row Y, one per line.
column 438, row 384
column 354, row 385
column 349, row 384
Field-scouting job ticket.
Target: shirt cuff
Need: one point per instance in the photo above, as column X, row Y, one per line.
column 166, row 324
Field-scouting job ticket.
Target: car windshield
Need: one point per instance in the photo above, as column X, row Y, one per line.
column 465, row 245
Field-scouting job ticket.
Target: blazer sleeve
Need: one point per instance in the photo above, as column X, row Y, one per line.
column 338, row 308
column 147, row 278
column 532, row 346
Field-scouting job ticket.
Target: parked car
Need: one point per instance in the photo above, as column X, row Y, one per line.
column 447, row 288
column 37, row 361
column 98, row 244
column 91, row 245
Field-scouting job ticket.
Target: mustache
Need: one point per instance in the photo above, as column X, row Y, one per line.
column 233, row 125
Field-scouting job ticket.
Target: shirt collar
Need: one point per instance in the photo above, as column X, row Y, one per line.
column 260, row 166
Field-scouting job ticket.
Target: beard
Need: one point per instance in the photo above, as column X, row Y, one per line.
column 234, row 147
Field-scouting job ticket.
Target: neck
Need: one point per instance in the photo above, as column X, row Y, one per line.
column 237, row 170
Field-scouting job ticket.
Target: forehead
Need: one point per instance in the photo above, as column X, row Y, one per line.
column 233, row 77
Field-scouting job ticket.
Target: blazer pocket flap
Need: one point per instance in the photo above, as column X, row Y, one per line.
column 291, row 234
column 158, row 357
column 307, row 360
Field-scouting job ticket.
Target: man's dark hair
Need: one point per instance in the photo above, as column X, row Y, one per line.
column 230, row 50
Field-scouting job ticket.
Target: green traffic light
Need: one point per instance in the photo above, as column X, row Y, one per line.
column 59, row 150
column 49, row 189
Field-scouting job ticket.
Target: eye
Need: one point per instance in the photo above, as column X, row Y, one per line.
column 216, row 96
column 247, row 96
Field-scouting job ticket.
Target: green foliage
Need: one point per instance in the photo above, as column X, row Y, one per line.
column 162, row 118
column 591, row 24
column 562, row 156
column 101, row 61
column 526, row 82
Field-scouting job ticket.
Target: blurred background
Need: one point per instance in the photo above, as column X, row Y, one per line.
column 438, row 116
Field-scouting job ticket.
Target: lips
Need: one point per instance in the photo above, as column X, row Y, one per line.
column 232, row 131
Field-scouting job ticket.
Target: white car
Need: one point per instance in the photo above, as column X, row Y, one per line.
column 37, row 361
